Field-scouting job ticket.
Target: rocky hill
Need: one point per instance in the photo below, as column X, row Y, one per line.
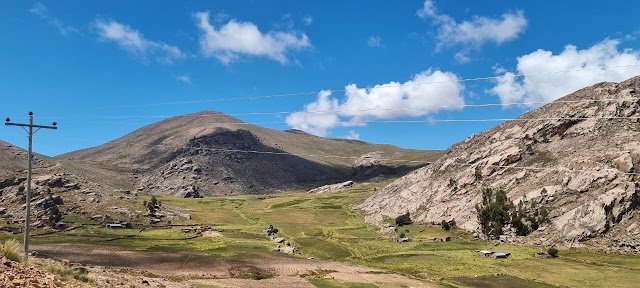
column 600, row 200
column 205, row 153
column 13, row 160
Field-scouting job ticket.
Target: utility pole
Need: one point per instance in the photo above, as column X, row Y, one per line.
column 27, row 218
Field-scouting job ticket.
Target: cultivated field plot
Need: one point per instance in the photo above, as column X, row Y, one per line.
column 337, row 249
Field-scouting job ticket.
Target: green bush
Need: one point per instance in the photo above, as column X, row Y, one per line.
column 445, row 225
column 11, row 250
column 553, row 252
column 404, row 219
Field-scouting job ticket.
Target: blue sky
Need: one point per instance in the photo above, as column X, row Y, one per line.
column 74, row 62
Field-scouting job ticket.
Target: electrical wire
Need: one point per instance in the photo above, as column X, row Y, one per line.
column 355, row 111
column 355, row 123
column 377, row 87
column 593, row 170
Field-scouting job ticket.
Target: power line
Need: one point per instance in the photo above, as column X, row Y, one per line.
column 593, row 170
column 350, row 123
column 377, row 87
column 366, row 110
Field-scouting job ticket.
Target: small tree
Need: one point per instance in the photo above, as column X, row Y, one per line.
column 553, row 252
column 404, row 219
column 493, row 212
column 445, row 225
column 152, row 205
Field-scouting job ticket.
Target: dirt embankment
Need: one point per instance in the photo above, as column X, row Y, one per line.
column 277, row 269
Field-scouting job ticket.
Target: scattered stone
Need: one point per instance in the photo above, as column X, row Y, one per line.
column 387, row 228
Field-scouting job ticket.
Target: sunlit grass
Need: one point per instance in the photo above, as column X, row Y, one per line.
column 324, row 226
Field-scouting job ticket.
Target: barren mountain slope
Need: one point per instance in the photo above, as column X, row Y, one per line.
column 13, row 160
column 203, row 152
column 583, row 204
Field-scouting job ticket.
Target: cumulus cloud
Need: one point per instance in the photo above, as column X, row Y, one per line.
column 549, row 87
column 475, row 32
column 236, row 38
column 384, row 101
column 374, row 41
column 42, row 11
column 134, row 42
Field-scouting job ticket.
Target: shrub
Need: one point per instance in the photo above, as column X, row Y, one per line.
column 445, row 225
column 402, row 235
column 529, row 149
column 478, row 173
column 404, row 219
column 68, row 273
column 11, row 250
column 54, row 215
column 553, row 252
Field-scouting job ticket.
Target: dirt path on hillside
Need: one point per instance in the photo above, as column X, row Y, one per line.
column 223, row 271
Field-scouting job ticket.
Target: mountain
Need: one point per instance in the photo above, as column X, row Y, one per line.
column 206, row 153
column 13, row 160
column 600, row 200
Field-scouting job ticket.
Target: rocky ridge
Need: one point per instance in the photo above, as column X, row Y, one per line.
column 598, row 201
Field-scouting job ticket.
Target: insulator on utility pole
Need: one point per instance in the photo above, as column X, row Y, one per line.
column 27, row 219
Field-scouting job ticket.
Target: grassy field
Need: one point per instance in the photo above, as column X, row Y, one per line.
column 324, row 226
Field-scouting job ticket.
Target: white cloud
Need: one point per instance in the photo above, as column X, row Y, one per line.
column 42, row 11
column 385, row 101
column 353, row 135
column 244, row 38
column 374, row 41
column 478, row 31
column 427, row 10
column 134, row 42
column 462, row 57
column 184, row 78
column 307, row 20
column 549, row 87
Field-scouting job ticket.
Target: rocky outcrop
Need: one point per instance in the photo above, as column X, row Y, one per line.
column 333, row 187
column 14, row 274
column 576, row 168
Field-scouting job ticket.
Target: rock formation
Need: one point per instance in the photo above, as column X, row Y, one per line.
column 577, row 169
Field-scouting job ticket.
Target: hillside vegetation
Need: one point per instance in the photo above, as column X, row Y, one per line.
column 324, row 226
